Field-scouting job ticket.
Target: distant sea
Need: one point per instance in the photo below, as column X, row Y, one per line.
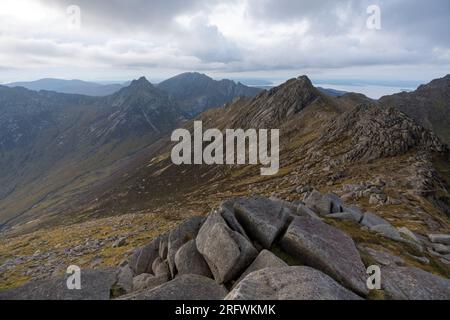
column 372, row 91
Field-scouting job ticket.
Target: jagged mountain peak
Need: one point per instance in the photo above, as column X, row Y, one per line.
column 139, row 88
column 299, row 86
column 305, row 79
column 142, row 82
column 275, row 106
column 196, row 92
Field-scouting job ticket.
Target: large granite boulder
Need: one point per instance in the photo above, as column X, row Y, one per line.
column 262, row 218
column 142, row 259
column 179, row 236
column 183, row 287
column 226, row 252
column 371, row 220
column 265, row 259
column 189, row 261
column 328, row 249
column 289, row 283
column 323, row 204
column 404, row 283
column 387, row 231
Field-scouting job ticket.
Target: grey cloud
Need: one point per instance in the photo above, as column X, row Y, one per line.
column 208, row 44
column 419, row 21
column 129, row 15
column 143, row 34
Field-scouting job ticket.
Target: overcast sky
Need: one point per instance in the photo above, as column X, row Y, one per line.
column 273, row 39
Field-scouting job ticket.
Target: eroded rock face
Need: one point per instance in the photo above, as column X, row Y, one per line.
column 328, row 249
column 184, row 287
column 404, row 283
column 262, row 218
column 289, row 283
column 226, row 252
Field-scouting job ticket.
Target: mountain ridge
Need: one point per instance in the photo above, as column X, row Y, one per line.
column 429, row 105
column 390, row 173
column 196, row 92
column 68, row 86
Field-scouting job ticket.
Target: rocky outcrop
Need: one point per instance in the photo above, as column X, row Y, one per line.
column 261, row 248
column 379, row 132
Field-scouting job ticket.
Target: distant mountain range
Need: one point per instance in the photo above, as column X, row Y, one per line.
column 332, row 92
column 69, row 86
column 187, row 88
column 56, row 149
column 429, row 105
column 196, row 92
column 57, row 146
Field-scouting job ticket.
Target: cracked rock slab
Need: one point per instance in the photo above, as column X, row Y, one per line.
column 262, row 218
column 225, row 251
column 404, row 283
column 328, row 249
column 289, row 283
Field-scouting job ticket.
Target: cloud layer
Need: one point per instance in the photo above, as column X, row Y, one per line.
column 269, row 38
